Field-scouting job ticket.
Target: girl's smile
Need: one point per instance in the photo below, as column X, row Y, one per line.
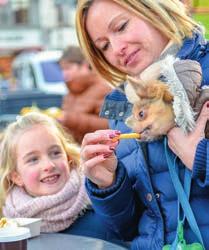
column 50, row 179
column 42, row 164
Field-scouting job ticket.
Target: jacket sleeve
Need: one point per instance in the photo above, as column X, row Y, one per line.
column 117, row 206
column 201, row 163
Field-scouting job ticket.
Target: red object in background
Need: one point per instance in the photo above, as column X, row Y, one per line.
column 3, row 2
column 5, row 64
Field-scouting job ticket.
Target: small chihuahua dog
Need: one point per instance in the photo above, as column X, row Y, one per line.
column 158, row 106
column 152, row 113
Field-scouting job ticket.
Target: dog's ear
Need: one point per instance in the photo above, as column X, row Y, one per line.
column 159, row 90
column 135, row 89
column 130, row 90
column 167, row 97
column 131, row 94
column 152, row 72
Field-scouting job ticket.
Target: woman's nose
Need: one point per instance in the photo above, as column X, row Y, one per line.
column 119, row 47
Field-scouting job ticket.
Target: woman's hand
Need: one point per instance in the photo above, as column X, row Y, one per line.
column 98, row 158
column 184, row 146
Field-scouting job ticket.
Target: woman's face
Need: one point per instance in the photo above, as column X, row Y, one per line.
column 127, row 42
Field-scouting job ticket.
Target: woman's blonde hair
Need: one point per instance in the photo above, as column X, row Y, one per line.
column 170, row 17
column 9, row 143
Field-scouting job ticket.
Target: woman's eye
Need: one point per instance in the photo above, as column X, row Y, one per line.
column 123, row 26
column 105, row 47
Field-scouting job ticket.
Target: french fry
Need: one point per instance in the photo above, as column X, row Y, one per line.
column 127, row 136
column 3, row 222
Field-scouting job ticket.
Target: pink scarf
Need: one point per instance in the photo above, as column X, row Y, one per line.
column 58, row 211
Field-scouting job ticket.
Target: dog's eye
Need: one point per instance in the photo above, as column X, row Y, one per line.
column 141, row 114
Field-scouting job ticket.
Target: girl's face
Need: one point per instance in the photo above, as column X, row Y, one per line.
column 42, row 164
column 126, row 41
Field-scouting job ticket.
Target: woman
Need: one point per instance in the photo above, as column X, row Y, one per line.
column 134, row 193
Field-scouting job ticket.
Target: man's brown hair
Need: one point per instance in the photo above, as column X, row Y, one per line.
column 72, row 54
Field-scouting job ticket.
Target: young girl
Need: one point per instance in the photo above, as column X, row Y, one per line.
column 41, row 177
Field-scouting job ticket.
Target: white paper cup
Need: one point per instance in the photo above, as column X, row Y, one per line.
column 14, row 238
column 34, row 224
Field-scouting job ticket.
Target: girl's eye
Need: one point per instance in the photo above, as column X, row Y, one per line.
column 56, row 153
column 123, row 26
column 33, row 159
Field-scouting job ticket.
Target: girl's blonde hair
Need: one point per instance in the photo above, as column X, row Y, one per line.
column 170, row 17
column 9, row 142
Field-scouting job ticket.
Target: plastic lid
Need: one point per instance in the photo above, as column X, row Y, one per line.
column 9, row 234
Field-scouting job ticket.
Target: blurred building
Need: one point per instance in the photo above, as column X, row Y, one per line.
column 34, row 25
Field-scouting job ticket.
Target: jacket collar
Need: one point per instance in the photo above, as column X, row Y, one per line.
column 192, row 47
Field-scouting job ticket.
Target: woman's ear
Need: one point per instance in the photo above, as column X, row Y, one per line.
column 16, row 178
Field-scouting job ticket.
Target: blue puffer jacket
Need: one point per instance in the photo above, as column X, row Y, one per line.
column 142, row 204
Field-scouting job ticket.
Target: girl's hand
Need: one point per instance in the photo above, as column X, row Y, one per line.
column 98, row 158
column 184, row 146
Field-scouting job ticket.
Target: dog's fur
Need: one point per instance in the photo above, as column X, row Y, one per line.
column 152, row 114
column 159, row 106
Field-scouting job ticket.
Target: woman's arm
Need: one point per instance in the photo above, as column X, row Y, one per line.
column 193, row 148
column 117, row 205
column 108, row 184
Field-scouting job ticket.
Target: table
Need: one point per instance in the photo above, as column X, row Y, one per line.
column 58, row 241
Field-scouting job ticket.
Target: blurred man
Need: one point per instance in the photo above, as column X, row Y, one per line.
column 82, row 104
